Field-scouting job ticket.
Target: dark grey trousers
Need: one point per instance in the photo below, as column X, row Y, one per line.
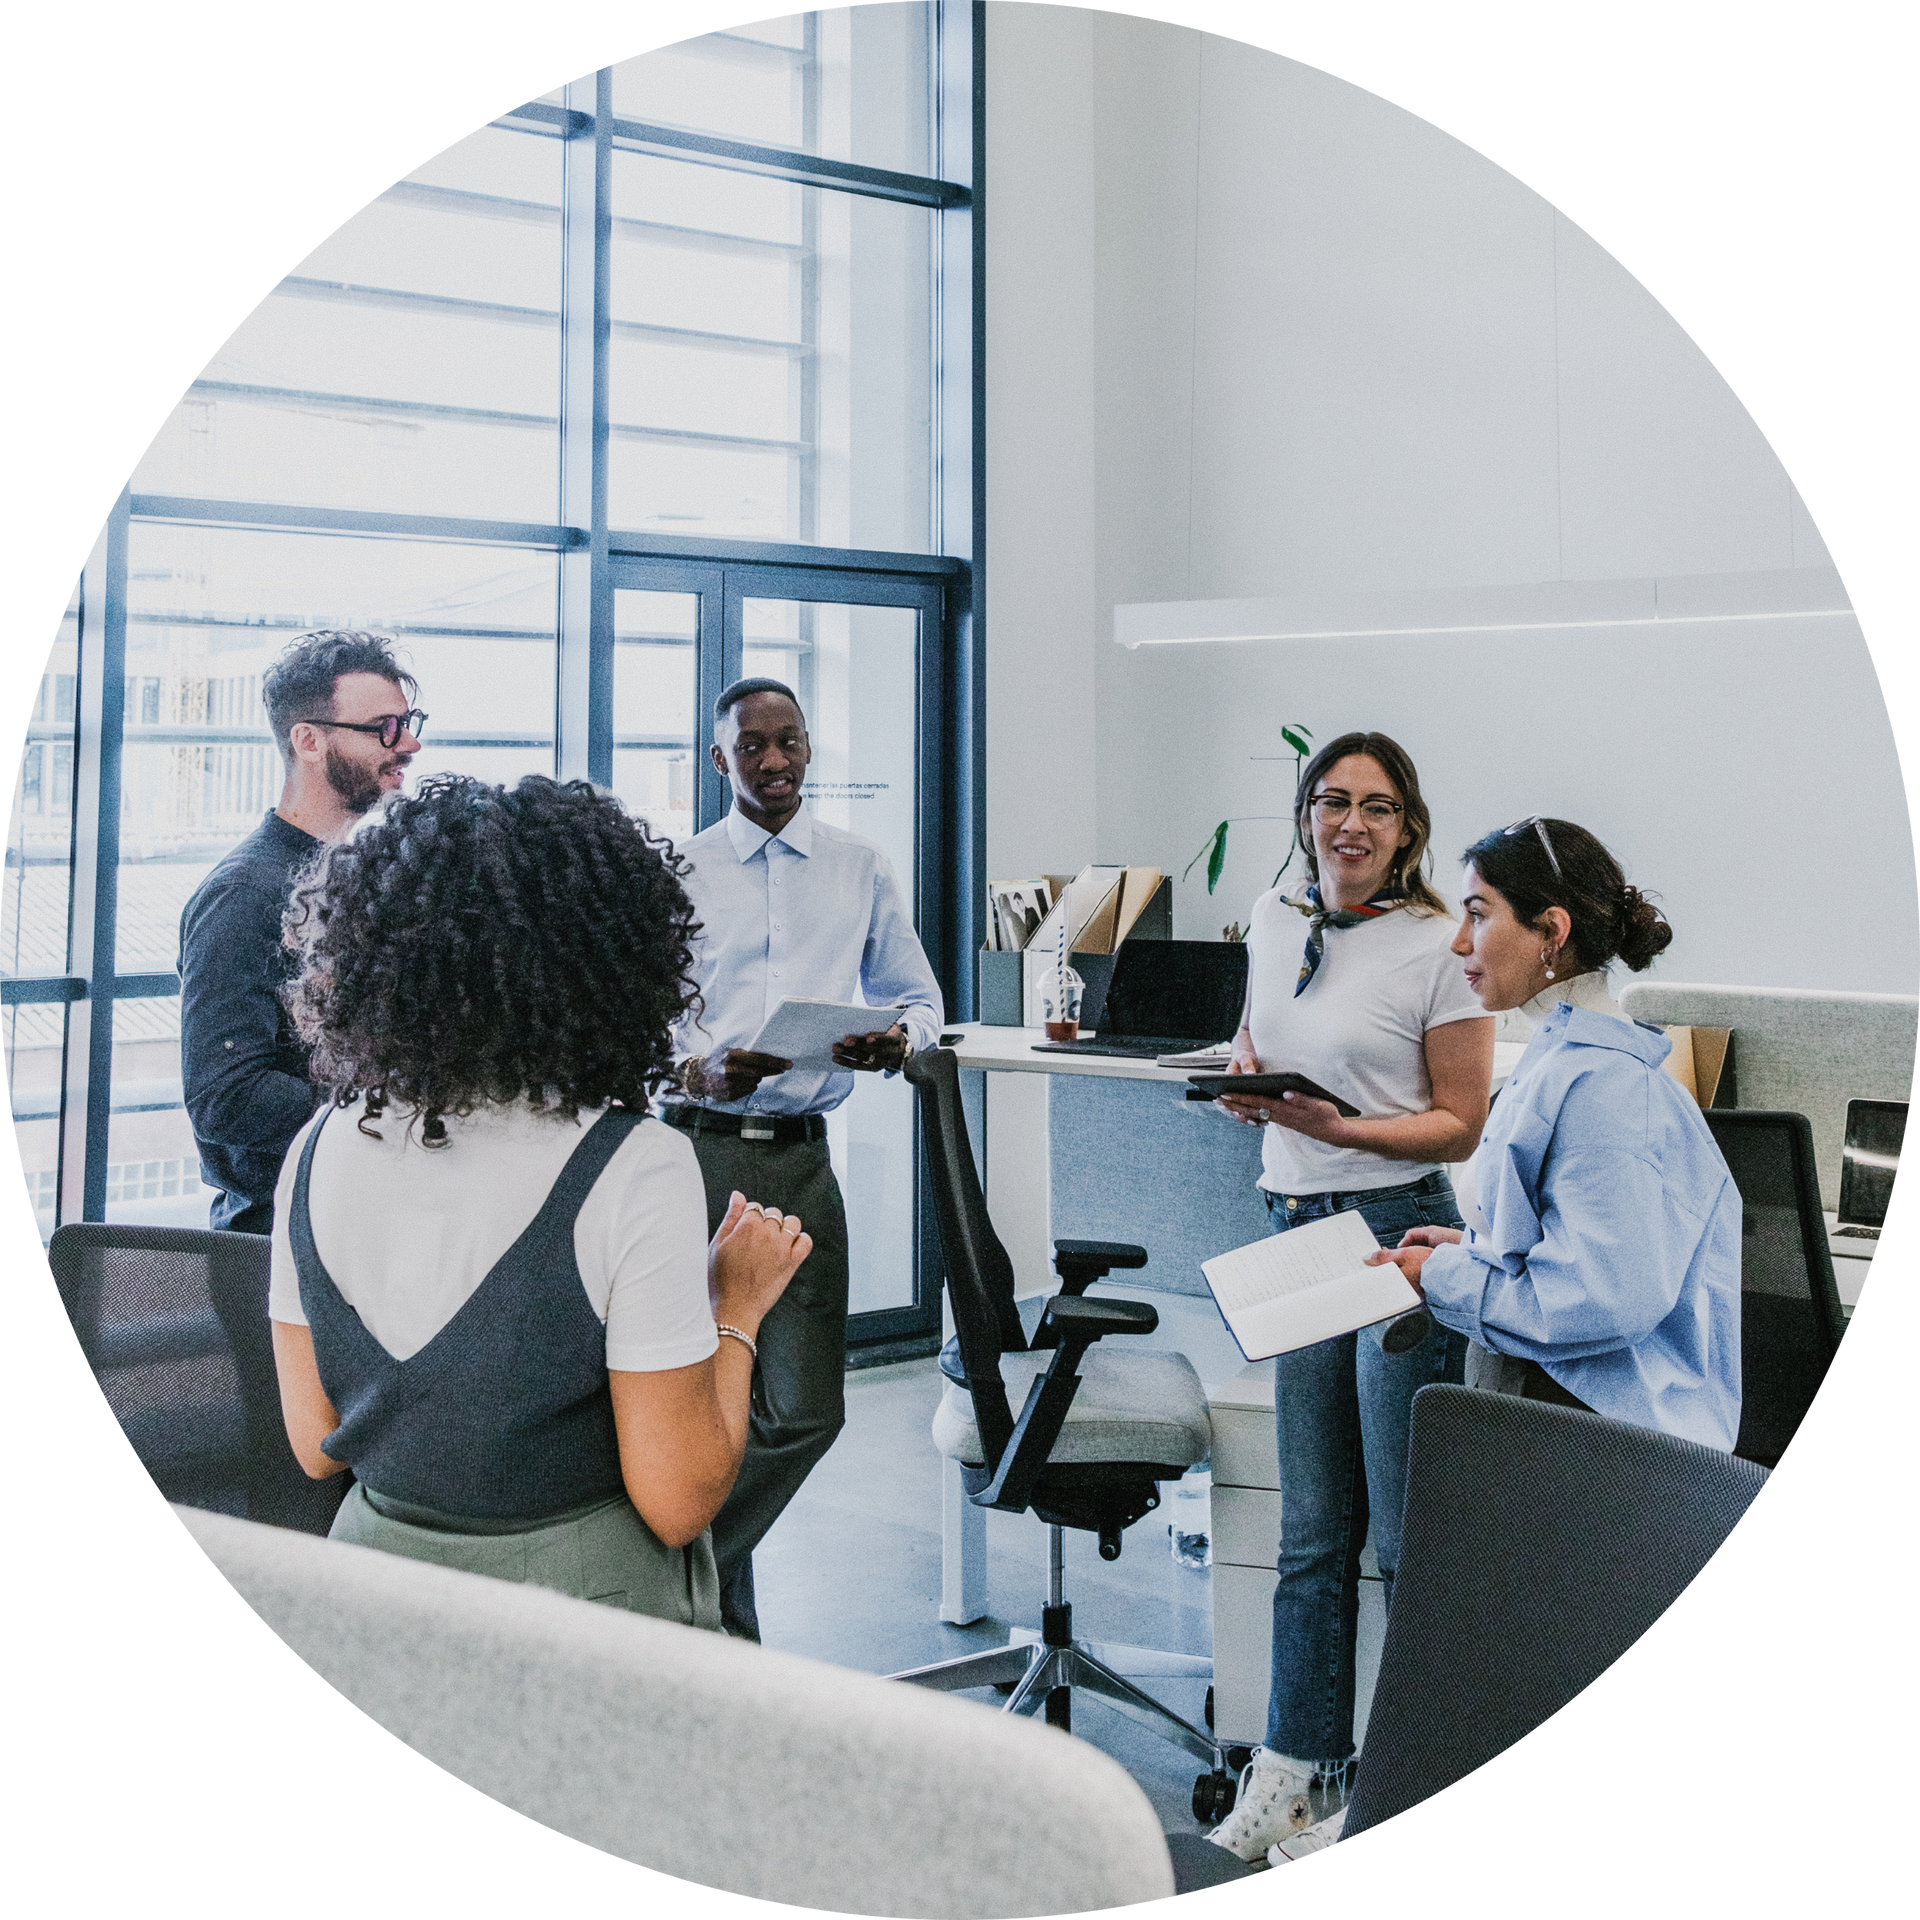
column 799, row 1381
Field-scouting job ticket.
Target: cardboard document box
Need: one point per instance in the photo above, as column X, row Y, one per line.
column 1099, row 906
column 1702, row 1061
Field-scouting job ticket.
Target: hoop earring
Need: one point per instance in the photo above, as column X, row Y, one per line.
column 1546, row 960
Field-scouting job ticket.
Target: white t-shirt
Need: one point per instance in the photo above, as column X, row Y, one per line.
column 1358, row 1030
column 407, row 1233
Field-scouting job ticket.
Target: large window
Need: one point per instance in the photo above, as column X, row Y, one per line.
column 707, row 310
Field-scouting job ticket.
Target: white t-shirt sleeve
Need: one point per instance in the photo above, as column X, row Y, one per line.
column 1449, row 998
column 283, row 1288
column 641, row 1240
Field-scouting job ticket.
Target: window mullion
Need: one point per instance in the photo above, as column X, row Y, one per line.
column 92, row 932
column 583, row 682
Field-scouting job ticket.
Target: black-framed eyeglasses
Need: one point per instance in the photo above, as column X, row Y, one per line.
column 1539, row 826
column 1332, row 809
column 388, row 728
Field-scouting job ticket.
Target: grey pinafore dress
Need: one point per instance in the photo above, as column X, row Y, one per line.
column 492, row 1450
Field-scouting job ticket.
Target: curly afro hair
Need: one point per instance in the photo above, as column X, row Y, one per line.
column 470, row 946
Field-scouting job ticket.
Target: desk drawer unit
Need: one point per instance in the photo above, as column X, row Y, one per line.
column 1246, row 1537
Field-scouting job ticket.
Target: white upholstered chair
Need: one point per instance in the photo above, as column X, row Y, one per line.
column 716, row 1761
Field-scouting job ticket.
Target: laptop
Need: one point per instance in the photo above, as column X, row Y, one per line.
column 1869, row 1159
column 1166, row 996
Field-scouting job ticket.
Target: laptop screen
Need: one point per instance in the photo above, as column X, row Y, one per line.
column 1176, row 989
column 1869, row 1159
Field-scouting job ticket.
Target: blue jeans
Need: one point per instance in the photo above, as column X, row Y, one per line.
column 1342, row 1411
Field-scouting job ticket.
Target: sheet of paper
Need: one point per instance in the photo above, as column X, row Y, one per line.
column 807, row 1031
column 1293, row 1289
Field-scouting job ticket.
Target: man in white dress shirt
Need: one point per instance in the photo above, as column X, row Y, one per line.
column 790, row 909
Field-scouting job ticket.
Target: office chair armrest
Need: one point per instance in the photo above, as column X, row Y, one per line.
column 1076, row 1325
column 1078, row 1322
column 1081, row 1262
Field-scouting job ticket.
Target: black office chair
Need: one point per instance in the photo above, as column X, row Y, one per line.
column 173, row 1322
column 1539, row 1544
column 1790, row 1317
column 1098, row 1430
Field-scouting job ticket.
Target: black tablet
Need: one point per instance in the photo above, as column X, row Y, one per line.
column 1213, row 1084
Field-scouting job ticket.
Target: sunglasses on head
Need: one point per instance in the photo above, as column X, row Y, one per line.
column 1539, row 826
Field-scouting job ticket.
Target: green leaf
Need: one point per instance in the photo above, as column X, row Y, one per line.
column 1214, row 846
column 1297, row 736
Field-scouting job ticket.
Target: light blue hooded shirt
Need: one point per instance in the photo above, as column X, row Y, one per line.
column 1610, row 1245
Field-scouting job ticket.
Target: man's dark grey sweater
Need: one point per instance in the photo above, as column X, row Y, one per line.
column 244, row 1071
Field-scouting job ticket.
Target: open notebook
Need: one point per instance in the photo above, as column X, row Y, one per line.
column 1308, row 1284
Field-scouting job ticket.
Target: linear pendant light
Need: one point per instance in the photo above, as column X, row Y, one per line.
column 1689, row 599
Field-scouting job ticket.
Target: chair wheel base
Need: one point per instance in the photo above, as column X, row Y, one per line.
column 1213, row 1797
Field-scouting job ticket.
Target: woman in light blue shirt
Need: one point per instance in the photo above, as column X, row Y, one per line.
column 1600, row 1266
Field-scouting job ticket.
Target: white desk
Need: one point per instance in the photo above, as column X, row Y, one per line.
column 1012, row 1050
column 1851, row 1259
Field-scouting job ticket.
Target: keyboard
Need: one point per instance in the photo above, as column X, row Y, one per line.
column 1128, row 1046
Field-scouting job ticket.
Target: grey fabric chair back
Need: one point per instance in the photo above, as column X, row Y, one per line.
column 1539, row 1545
column 1790, row 1316
column 173, row 1322
column 979, row 1273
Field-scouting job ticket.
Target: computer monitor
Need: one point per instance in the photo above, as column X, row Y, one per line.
column 1178, row 988
column 1869, row 1159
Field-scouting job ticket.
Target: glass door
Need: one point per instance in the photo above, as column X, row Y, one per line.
column 862, row 653
column 662, row 614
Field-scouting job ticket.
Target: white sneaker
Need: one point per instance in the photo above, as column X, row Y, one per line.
column 1323, row 1833
column 1272, row 1805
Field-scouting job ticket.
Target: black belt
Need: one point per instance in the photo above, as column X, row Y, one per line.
column 749, row 1126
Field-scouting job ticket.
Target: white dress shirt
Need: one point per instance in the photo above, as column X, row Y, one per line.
column 810, row 914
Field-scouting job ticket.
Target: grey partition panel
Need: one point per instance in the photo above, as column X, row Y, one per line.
column 1799, row 1051
column 1135, row 1160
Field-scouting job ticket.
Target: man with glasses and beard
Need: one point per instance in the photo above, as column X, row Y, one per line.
column 341, row 713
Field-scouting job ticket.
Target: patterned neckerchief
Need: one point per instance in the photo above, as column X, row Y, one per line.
column 1320, row 918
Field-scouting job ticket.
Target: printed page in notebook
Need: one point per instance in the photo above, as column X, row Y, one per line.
column 1304, row 1285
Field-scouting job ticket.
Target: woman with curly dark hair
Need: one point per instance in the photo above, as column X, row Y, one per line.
column 490, row 1293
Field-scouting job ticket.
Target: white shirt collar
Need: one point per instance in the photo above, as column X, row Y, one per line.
column 796, row 836
column 1586, row 990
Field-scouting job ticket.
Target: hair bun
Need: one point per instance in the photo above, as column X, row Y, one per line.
column 1640, row 929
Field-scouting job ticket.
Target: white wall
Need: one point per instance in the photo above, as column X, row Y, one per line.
column 1321, row 345
column 1042, row 621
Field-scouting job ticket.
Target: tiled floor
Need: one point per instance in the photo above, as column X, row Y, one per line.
column 851, row 1574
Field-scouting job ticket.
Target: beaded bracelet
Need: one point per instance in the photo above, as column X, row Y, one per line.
column 735, row 1334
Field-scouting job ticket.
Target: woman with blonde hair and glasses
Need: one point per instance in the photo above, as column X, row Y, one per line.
column 1350, row 983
